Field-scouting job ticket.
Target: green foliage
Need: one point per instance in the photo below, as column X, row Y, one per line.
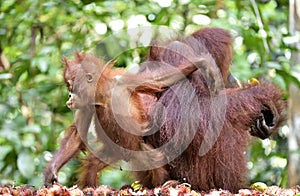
column 35, row 35
column 116, row 178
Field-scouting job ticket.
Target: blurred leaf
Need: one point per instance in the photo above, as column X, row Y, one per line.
column 4, row 150
column 5, row 76
column 19, row 70
column 32, row 129
column 288, row 78
column 28, row 140
column 25, row 164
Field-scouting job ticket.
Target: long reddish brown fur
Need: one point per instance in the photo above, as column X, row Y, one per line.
column 224, row 166
column 99, row 96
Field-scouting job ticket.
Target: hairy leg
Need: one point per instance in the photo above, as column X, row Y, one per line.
column 89, row 171
column 158, row 175
column 70, row 145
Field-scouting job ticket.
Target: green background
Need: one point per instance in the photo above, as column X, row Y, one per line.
column 35, row 35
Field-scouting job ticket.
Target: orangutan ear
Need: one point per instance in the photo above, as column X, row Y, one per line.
column 66, row 62
column 89, row 77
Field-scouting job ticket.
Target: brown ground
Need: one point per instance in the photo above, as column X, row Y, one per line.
column 172, row 189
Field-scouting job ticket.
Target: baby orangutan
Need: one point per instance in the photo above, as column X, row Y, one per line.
column 90, row 83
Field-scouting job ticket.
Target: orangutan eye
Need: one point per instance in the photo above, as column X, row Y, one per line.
column 70, row 85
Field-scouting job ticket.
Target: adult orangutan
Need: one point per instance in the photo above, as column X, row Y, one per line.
column 216, row 126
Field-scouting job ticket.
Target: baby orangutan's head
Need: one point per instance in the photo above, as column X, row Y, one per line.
column 81, row 76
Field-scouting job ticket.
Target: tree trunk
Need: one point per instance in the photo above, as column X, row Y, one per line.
column 294, row 101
